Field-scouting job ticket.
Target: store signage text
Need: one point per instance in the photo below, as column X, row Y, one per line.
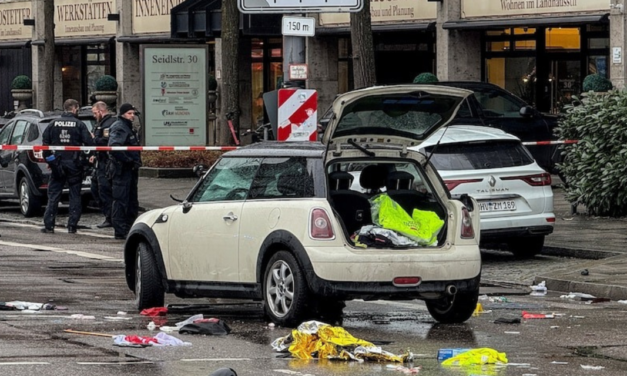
column 387, row 11
column 84, row 18
column 152, row 16
column 473, row 8
column 12, row 16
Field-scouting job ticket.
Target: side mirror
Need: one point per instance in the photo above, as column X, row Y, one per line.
column 527, row 111
column 199, row 170
column 467, row 201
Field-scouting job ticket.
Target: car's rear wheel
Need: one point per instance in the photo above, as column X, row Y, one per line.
column 30, row 204
column 454, row 309
column 524, row 248
column 285, row 290
column 149, row 291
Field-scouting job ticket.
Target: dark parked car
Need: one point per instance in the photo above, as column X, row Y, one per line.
column 24, row 173
column 493, row 106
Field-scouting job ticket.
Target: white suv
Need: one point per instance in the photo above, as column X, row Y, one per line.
column 514, row 193
column 277, row 222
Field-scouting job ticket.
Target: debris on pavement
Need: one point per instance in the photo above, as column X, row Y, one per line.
column 156, row 311
column 539, row 289
column 598, row 300
column 481, row 356
column 80, row 316
column 189, row 320
column 161, row 339
column 529, row 315
column 444, row 354
column 21, row 306
column 593, row 368
column 504, row 320
column 585, row 272
column 578, row 295
column 89, row 333
column 214, row 327
column 406, row 370
column 314, row 338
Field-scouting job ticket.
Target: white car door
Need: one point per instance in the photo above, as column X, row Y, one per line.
column 204, row 232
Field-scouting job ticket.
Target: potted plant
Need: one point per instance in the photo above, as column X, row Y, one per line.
column 425, row 78
column 22, row 90
column 106, row 90
column 212, row 86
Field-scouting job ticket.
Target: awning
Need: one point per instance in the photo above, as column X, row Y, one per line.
column 344, row 30
column 75, row 42
column 203, row 19
column 16, row 44
column 529, row 22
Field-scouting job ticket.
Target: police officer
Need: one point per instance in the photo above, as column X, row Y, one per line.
column 65, row 166
column 101, row 186
column 123, row 170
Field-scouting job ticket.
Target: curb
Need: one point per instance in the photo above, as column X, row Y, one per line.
column 578, row 253
column 612, row 292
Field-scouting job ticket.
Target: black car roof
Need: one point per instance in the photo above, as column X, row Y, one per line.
column 280, row 149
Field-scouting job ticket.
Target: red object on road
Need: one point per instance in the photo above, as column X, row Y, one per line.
column 157, row 311
column 528, row 315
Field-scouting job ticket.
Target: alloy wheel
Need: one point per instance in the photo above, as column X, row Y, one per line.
column 280, row 288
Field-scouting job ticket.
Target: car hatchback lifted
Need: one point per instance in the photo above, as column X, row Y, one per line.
column 285, row 224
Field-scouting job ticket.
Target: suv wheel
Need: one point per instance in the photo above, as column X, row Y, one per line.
column 454, row 310
column 30, row 204
column 149, row 292
column 285, row 290
column 524, row 248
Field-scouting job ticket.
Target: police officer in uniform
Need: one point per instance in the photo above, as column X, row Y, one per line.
column 65, row 166
column 123, row 170
column 101, row 186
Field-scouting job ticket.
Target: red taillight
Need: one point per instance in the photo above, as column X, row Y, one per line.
column 406, row 281
column 36, row 156
column 551, row 219
column 320, row 225
column 533, row 180
column 451, row 184
column 467, row 231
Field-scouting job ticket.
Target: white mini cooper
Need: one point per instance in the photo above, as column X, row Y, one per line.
column 280, row 222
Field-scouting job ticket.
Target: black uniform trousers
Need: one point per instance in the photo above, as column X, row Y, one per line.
column 70, row 172
column 125, row 207
column 105, row 197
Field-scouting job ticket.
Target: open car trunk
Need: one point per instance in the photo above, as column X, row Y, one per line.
column 386, row 204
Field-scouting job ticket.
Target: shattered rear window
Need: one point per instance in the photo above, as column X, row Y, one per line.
column 479, row 156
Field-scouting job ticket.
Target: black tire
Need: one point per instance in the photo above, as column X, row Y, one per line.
column 30, row 204
column 149, row 291
column 285, row 290
column 454, row 310
column 526, row 248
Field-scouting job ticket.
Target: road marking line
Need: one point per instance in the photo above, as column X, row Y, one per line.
column 214, row 360
column 115, row 363
column 93, row 234
column 22, row 363
column 60, row 250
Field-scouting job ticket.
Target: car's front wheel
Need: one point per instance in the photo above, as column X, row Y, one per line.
column 285, row 290
column 149, row 291
column 30, row 204
column 454, row 309
column 524, row 248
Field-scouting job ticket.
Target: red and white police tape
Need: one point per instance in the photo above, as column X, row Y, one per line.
column 187, row 148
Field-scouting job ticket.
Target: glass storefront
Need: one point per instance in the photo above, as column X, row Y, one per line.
column 82, row 66
column 267, row 73
column 545, row 66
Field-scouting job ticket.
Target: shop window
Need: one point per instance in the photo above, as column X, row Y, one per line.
column 563, row 39
column 495, row 33
column 524, row 31
column 498, row 46
column 594, row 43
column 525, row 45
column 514, row 74
column 597, row 65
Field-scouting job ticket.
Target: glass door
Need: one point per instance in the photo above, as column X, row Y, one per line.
column 564, row 83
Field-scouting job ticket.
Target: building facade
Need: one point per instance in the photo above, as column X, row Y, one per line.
column 540, row 50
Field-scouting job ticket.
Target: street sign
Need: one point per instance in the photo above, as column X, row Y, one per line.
column 299, row 26
column 297, row 6
column 298, row 72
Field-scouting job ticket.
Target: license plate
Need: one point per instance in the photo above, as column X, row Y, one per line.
column 490, row 206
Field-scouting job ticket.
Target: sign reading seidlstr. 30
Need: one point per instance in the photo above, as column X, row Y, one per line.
column 299, row 6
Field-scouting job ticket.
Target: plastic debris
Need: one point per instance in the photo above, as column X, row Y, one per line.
column 503, row 320
column 214, row 327
column 578, row 295
column 152, row 326
column 622, row 301
column 161, row 339
column 169, row 329
column 477, row 356
column 117, row 318
column 585, row 272
column 406, row 370
column 594, row 368
column 18, row 305
column 539, row 289
column 156, row 311
column 444, row 354
column 121, row 313
column 314, row 338
column 189, row 320
column 556, row 362
column 499, row 299
column 529, row 315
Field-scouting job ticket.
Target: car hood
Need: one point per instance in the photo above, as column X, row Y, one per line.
column 400, row 115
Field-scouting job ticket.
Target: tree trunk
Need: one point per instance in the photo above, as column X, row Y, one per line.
column 364, row 73
column 49, row 59
column 230, row 71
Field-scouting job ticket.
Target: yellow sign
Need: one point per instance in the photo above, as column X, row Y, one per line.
column 83, row 18
column 388, row 11
column 11, row 20
column 492, row 8
column 153, row 16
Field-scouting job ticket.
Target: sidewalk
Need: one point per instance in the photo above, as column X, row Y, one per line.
column 599, row 242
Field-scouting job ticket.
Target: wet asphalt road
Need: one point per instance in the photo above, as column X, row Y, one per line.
column 84, row 273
